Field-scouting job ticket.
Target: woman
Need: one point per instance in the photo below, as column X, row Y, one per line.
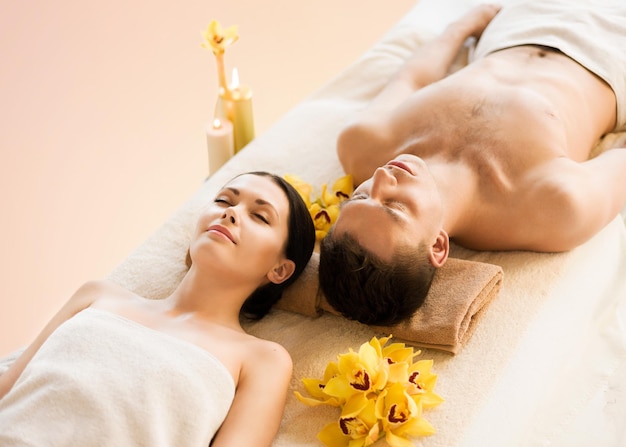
column 114, row 368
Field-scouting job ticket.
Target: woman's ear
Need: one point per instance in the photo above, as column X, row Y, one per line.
column 440, row 249
column 282, row 271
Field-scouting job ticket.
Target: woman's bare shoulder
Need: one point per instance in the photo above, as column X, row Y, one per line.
column 273, row 356
column 99, row 289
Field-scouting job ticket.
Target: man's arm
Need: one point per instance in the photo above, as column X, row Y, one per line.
column 372, row 129
column 432, row 61
column 600, row 194
column 579, row 199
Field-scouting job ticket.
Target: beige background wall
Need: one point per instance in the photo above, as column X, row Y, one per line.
column 102, row 108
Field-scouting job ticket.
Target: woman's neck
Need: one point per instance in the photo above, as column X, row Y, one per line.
column 208, row 298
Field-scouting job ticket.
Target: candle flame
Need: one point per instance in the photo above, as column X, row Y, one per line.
column 234, row 83
column 217, row 124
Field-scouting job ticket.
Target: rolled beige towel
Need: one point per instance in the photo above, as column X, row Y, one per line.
column 459, row 294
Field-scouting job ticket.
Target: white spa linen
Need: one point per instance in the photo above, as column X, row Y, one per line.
column 103, row 380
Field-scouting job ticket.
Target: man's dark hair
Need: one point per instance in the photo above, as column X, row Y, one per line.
column 361, row 286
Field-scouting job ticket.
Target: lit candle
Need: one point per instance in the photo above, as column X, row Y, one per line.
column 219, row 139
column 235, row 104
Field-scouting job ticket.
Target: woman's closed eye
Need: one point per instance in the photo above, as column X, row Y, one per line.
column 261, row 217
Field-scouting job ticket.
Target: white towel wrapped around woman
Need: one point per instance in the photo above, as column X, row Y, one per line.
column 106, row 379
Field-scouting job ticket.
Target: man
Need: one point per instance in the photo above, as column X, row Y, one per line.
column 494, row 156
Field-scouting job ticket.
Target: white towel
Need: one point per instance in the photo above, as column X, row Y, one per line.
column 591, row 32
column 103, row 380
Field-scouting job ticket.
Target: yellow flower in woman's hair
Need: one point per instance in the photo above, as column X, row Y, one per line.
column 357, row 426
column 303, row 188
column 217, row 39
column 401, row 416
column 341, row 190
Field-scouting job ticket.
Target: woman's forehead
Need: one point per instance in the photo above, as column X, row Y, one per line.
column 258, row 186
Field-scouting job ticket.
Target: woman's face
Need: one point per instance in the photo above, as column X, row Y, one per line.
column 242, row 234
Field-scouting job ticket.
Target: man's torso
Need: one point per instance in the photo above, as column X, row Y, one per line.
column 510, row 118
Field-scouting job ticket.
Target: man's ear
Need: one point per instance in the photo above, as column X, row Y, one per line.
column 440, row 249
column 282, row 271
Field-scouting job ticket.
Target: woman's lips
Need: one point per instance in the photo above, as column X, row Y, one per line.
column 222, row 231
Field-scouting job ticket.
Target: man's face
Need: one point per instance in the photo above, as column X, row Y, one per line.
column 399, row 206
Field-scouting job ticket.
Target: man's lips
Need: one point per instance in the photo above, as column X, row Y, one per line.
column 401, row 165
column 222, row 231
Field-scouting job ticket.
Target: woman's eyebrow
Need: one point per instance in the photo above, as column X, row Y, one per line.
column 266, row 203
column 259, row 201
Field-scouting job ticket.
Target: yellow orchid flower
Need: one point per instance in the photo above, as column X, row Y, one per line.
column 361, row 372
column 316, row 389
column 358, row 428
column 325, row 209
column 422, row 383
column 321, row 220
column 398, row 356
column 399, row 352
column 333, row 213
column 401, row 416
column 341, row 190
column 217, row 39
column 381, row 392
column 303, row 188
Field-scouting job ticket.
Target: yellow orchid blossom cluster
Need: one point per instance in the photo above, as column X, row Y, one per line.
column 381, row 391
column 324, row 209
column 217, row 39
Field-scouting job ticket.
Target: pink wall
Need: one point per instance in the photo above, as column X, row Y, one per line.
column 103, row 106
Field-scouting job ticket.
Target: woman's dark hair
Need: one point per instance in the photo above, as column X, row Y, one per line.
column 300, row 244
column 363, row 287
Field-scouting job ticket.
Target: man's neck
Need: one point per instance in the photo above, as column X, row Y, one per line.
column 458, row 186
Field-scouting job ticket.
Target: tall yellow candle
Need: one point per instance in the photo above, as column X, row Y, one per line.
column 235, row 104
column 220, row 144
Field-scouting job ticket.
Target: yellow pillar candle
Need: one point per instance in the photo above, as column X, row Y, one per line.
column 220, row 143
column 235, row 104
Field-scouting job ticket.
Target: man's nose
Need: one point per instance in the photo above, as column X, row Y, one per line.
column 383, row 182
